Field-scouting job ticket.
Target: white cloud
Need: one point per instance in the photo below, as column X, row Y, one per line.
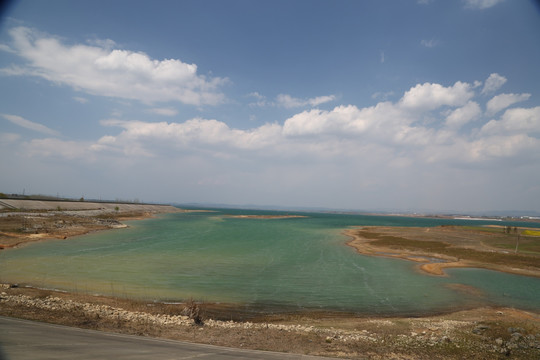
column 481, row 4
column 494, row 147
column 192, row 134
column 20, row 121
column 515, row 121
column 493, row 83
column 502, row 101
column 125, row 74
column 463, row 115
column 391, row 127
column 291, row 102
column 321, row 100
column 164, row 111
column 432, row 96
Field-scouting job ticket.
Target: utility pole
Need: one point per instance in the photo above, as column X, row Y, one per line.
column 517, row 243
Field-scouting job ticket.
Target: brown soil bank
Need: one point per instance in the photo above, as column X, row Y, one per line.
column 485, row 333
column 443, row 247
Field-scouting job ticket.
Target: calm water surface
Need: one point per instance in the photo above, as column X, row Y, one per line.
column 263, row 264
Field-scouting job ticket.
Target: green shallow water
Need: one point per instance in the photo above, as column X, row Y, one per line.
column 264, row 264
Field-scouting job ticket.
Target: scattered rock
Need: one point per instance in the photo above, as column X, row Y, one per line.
column 512, row 330
column 480, row 329
column 446, row 339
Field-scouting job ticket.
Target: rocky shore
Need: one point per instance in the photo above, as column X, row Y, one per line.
column 474, row 334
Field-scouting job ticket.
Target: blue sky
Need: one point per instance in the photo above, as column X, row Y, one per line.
column 422, row 105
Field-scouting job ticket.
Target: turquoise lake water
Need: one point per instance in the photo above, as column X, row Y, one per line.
column 263, row 264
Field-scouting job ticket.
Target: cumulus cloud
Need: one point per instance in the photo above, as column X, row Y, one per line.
column 502, row 101
column 461, row 116
column 429, row 96
column 99, row 70
column 388, row 132
column 192, row 134
column 493, row 83
column 515, row 121
column 20, row 121
column 481, row 4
